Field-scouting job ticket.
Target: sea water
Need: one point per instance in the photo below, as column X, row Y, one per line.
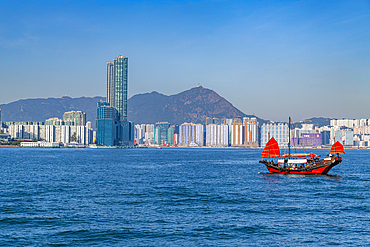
column 178, row 197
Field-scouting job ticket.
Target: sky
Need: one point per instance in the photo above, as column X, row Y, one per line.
column 273, row 59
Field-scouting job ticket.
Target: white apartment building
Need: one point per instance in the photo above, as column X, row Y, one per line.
column 278, row 131
column 53, row 133
column 349, row 123
column 217, row 135
column 144, row 133
column 191, row 135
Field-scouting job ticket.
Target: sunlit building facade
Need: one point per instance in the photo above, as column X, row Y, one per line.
column 191, row 135
column 217, row 135
column 110, row 83
column 250, row 132
column 278, row 131
column 105, row 124
column 120, row 86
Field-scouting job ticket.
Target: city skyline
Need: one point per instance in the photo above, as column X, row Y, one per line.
column 310, row 58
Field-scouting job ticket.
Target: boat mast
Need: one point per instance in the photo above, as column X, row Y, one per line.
column 269, row 146
column 289, row 141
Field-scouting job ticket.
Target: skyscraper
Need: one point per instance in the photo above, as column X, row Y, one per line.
column 110, row 83
column 120, row 86
column 123, row 130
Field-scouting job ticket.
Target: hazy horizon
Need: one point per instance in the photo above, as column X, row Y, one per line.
column 271, row 59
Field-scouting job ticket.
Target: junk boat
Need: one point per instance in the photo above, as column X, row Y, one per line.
column 302, row 163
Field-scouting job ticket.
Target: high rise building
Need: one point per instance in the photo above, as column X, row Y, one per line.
column 120, row 86
column 250, row 132
column 105, row 124
column 139, row 133
column 217, row 135
column 237, row 133
column 149, row 134
column 191, row 135
column 77, row 117
column 343, row 136
column 279, row 131
column 110, row 83
column 171, row 136
column 161, row 133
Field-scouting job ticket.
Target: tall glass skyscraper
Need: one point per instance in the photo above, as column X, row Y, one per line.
column 115, row 129
column 110, row 83
column 120, row 86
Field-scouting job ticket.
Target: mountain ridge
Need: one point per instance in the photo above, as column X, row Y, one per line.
column 192, row 105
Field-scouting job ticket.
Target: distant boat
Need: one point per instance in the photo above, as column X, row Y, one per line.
column 303, row 163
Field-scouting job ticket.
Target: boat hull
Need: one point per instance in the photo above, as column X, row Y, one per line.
column 321, row 167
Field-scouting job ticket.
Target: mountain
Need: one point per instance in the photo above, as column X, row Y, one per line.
column 38, row 110
column 193, row 105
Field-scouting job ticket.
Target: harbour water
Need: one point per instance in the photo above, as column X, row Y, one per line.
column 178, row 197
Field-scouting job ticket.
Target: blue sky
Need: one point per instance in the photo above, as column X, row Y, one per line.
column 273, row 59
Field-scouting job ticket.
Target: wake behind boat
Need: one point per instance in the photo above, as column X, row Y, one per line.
column 303, row 163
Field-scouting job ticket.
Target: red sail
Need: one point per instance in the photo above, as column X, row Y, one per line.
column 271, row 149
column 337, row 148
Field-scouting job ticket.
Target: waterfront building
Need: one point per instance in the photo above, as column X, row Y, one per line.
column 76, row 117
column 307, row 140
column 176, row 128
column 176, row 139
column 191, row 135
column 30, row 130
column 124, row 133
column 161, row 133
column 325, row 137
column 105, row 124
column 217, row 135
column 149, row 134
column 140, row 133
column 171, row 136
column 5, row 137
column 250, row 132
column 343, row 136
column 237, row 133
column 277, row 130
